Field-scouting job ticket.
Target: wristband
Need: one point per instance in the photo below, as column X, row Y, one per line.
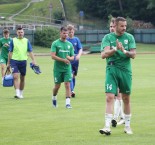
column 124, row 51
column 115, row 48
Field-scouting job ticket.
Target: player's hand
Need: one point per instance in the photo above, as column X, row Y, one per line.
column 68, row 57
column 119, row 45
column 77, row 57
column 33, row 62
column 66, row 61
column 8, row 66
column 71, row 58
column 6, row 45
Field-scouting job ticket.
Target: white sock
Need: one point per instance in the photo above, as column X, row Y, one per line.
column 68, row 101
column 21, row 92
column 108, row 118
column 18, row 92
column 54, row 97
column 116, row 109
column 121, row 109
column 127, row 120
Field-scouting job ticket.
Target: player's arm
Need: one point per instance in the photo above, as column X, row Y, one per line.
column 30, row 52
column 9, row 58
column 80, row 49
column 32, row 57
column 131, row 53
column 71, row 57
column 53, row 56
column 79, row 54
column 107, row 52
column 10, row 53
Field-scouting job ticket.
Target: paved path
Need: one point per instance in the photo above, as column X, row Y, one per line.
column 32, row 1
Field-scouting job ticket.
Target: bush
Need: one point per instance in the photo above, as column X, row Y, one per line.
column 45, row 37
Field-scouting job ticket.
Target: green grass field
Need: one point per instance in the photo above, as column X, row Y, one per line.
column 141, row 48
column 33, row 120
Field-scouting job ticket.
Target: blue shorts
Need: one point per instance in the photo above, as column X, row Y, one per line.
column 18, row 66
column 75, row 66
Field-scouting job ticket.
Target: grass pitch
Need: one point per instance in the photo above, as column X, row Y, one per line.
column 33, row 120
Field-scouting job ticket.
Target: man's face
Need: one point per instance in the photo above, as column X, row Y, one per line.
column 121, row 27
column 6, row 35
column 63, row 34
column 20, row 33
column 71, row 33
column 112, row 27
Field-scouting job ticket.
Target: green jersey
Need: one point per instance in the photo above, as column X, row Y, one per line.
column 62, row 49
column 4, row 49
column 119, row 59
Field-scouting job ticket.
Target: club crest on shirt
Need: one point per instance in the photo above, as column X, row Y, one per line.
column 126, row 41
column 69, row 47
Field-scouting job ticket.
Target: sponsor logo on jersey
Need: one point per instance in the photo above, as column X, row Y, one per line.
column 63, row 50
column 59, row 46
column 112, row 42
column 75, row 44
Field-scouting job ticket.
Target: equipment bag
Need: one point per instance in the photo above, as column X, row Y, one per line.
column 8, row 79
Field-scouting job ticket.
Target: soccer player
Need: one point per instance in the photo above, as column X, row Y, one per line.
column 17, row 59
column 62, row 52
column 78, row 52
column 118, row 103
column 119, row 47
column 4, row 45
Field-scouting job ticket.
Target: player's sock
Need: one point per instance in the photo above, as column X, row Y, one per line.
column 54, row 101
column 18, row 92
column 108, row 118
column 127, row 120
column 67, row 100
column 72, row 85
column 21, row 93
column 116, row 109
column 54, row 97
column 121, row 109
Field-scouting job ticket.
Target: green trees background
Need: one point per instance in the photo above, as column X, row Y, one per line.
column 135, row 9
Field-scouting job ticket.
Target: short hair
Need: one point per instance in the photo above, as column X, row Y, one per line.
column 113, row 20
column 63, row 28
column 5, row 31
column 119, row 19
column 19, row 28
column 70, row 27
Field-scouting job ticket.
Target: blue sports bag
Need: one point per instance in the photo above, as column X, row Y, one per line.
column 8, row 79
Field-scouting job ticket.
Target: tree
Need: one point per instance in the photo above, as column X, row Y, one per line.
column 120, row 5
column 135, row 9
